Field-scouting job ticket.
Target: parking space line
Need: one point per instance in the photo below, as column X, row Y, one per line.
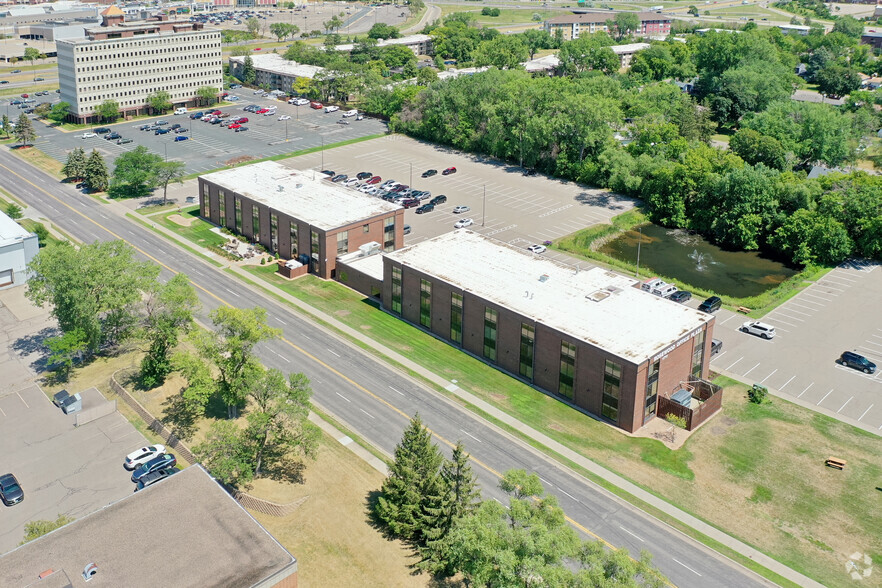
column 841, row 277
column 769, row 376
column 824, row 285
column 824, row 398
column 843, row 406
column 1, row 411
column 751, row 369
column 793, row 318
column 736, row 361
column 801, row 306
column 22, row 400
column 719, row 355
column 807, row 293
column 865, row 412
column 728, row 319
column 806, row 390
column 787, row 382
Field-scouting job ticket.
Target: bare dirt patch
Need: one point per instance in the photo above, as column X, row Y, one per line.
column 238, row 160
column 181, row 220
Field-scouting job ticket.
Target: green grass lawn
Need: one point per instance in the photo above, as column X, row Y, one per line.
column 31, row 225
column 756, row 472
column 199, row 232
column 37, row 87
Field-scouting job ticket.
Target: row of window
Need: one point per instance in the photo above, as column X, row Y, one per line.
column 166, row 87
column 140, row 73
column 186, row 91
column 153, row 42
column 205, row 61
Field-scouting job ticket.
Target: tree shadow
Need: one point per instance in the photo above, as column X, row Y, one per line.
column 216, row 408
column 36, row 343
column 604, row 199
column 370, row 514
column 286, row 469
column 179, row 416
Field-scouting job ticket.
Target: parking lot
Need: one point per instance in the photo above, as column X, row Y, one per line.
column 518, row 210
column 838, row 313
column 212, row 146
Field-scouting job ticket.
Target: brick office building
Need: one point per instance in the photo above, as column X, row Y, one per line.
column 589, row 337
column 298, row 215
column 571, row 26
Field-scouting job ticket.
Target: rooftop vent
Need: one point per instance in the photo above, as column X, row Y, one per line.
column 280, row 188
column 543, row 278
column 598, row 295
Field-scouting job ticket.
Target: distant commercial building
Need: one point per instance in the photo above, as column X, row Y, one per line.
column 419, row 44
column 550, row 63
column 590, row 338
column 274, row 71
column 798, row 29
column 182, row 531
column 127, row 62
column 874, row 40
column 299, row 215
column 652, row 24
column 17, row 248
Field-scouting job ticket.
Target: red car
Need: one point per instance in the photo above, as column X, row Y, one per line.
column 374, row 180
column 316, row 105
column 448, row 171
column 234, row 126
column 242, row 119
column 26, row 96
column 216, row 113
column 262, row 111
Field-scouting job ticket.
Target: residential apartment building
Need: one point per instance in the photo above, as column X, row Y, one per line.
column 591, row 338
column 273, row 71
column 419, row 44
column 652, row 24
column 299, row 215
column 127, row 62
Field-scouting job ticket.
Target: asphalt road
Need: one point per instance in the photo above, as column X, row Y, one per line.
column 377, row 401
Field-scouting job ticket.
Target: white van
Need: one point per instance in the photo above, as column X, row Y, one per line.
column 664, row 290
column 180, row 110
column 651, row 284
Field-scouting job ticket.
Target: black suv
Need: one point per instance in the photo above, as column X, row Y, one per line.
column 425, row 208
column 102, row 130
column 439, row 199
column 858, row 362
column 712, row 304
column 112, row 136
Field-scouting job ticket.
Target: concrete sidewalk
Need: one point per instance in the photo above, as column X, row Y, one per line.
column 525, row 430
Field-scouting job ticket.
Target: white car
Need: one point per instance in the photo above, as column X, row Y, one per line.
column 460, row 209
column 537, row 248
column 233, row 98
column 332, row 108
column 256, row 92
column 143, row 455
column 759, row 329
column 463, row 222
column 350, row 113
column 351, row 182
column 301, row 102
column 373, row 191
column 365, row 188
column 89, row 135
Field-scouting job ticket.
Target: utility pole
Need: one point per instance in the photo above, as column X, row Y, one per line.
column 639, row 241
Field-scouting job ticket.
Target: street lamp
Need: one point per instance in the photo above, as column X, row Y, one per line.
column 484, row 205
column 286, row 130
column 411, row 174
column 323, row 153
column 166, row 150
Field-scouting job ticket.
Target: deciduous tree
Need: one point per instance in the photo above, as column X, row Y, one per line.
column 168, row 314
column 59, row 112
column 206, row 95
column 108, row 111
column 253, row 27
column 166, row 172
column 159, row 101
column 134, row 173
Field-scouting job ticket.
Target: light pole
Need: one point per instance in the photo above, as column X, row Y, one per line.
column 638, row 251
column 411, row 174
column 323, row 153
column 484, row 205
column 166, row 150
column 286, row 130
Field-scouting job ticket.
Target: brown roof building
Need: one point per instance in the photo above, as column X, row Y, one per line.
column 652, row 24
column 185, row 531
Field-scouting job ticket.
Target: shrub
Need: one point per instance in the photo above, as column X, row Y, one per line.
column 676, row 421
column 757, row 394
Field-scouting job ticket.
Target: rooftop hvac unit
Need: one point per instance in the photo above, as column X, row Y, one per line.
column 369, row 248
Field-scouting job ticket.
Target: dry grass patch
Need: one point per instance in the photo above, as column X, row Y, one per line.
column 39, row 159
column 329, row 533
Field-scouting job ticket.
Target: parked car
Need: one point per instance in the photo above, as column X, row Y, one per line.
column 429, row 173
column 342, row 122
column 448, row 171
column 328, row 173
column 112, row 136
column 300, row 102
column 181, row 138
column 180, row 130
column 262, row 111
column 285, row 117
column 331, row 108
column 10, row 490
column 664, row 290
column 124, row 140
column 711, row 305
column 102, row 130
column 530, row 172
column 410, row 203
column 197, row 115
column 161, row 122
column 681, row 296
column 143, row 455
column 161, row 131
column 759, row 329
column 855, row 361
column 439, row 199
column 463, row 223
column 363, row 175
column 374, row 180
column 241, row 129
column 350, row 182
column 359, row 117
column 160, row 462
column 242, row 120
column 460, row 209
column 350, row 113
column 25, row 96
column 537, row 248
column 407, row 229
column 89, row 135
column 339, row 178
column 175, row 126
column 316, row 105
column 716, row 346
column 153, row 477
column 425, row 208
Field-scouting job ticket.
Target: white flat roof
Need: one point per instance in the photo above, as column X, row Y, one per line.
column 594, row 305
column 406, row 40
column 318, row 202
column 10, row 231
column 277, row 64
column 371, row 265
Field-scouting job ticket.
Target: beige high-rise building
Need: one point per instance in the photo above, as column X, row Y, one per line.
column 127, row 62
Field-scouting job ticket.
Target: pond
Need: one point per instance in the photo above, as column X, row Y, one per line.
column 688, row 257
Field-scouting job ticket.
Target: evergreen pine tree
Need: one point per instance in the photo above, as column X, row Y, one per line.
column 75, row 167
column 248, row 73
column 24, row 130
column 6, row 125
column 414, row 476
column 95, row 173
column 459, row 495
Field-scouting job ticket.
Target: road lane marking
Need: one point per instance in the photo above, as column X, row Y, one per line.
column 631, row 534
column 231, row 292
column 280, row 355
column 751, row 369
column 865, row 412
column 22, row 400
column 806, row 390
column 367, row 413
column 394, row 390
column 769, row 376
column 850, row 398
column 470, row 435
column 568, row 494
column 787, row 382
column 334, row 352
column 343, row 397
column 281, row 321
column 543, row 480
column 299, row 349
column 736, row 361
column 824, row 398
column 685, row 566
